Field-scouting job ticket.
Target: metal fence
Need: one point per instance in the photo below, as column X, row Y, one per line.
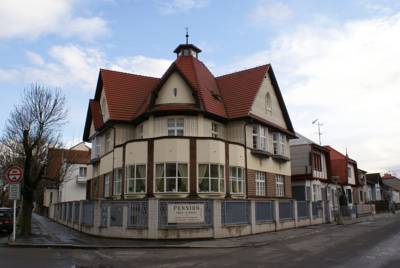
column 163, row 214
column 235, row 212
column 64, row 211
column 264, row 211
column 76, row 212
column 317, row 209
column 88, row 213
column 286, row 210
column 303, row 210
column 116, row 215
column 104, row 214
column 70, row 204
column 138, row 214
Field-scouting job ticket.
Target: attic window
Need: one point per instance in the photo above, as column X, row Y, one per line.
column 268, row 104
column 175, row 92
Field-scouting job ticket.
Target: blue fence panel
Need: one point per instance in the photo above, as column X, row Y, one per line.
column 264, row 211
column 104, row 214
column 163, row 214
column 235, row 212
column 116, row 214
column 70, row 204
column 317, row 209
column 138, row 214
column 285, row 210
column 88, row 213
column 303, row 210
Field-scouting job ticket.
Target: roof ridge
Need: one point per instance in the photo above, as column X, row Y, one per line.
column 244, row 70
column 122, row 72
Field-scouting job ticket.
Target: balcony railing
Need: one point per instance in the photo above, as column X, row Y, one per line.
column 80, row 179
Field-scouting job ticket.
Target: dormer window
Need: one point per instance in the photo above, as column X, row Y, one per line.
column 268, row 104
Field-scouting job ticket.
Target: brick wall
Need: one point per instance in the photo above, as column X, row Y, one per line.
column 251, row 183
column 288, row 187
column 271, row 185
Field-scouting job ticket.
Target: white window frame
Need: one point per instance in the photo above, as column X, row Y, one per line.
column 134, row 179
column 236, row 180
column 260, row 183
column 279, row 143
column 176, row 126
column 214, row 130
column 260, row 137
column 280, row 185
column 220, row 178
column 176, row 177
column 84, row 175
column 117, row 182
column 107, row 185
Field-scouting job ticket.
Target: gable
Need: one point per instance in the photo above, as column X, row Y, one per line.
column 166, row 94
column 271, row 112
column 104, row 106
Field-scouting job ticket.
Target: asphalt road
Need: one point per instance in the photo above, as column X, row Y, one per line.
column 367, row 244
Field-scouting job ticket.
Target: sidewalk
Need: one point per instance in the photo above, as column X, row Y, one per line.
column 47, row 233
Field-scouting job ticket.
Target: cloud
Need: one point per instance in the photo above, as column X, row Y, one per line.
column 72, row 66
column 347, row 76
column 167, row 7
column 270, row 11
column 31, row 19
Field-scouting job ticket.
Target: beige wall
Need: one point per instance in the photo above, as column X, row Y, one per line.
column 160, row 126
column 235, row 131
column 236, row 155
column 106, row 164
column 268, row 164
column 118, row 155
column 104, row 108
column 258, row 107
column 166, row 93
column 171, row 150
column 124, row 133
column 210, row 151
column 136, row 153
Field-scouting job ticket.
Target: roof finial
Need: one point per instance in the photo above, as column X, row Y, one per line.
column 187, row 35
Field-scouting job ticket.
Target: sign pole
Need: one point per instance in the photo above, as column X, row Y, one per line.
column 14, row 219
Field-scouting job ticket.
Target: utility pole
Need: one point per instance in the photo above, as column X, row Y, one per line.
column 319, row 125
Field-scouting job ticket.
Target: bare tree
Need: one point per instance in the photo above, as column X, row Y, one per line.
column 32, row 128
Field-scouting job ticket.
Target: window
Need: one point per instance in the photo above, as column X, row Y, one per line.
column 280, row 185
column 175, row 92
column 268, row 104
column 361, row 196
column 316, row 192
column 139, row 132
column 135, row 179
column 172, row 178
column 260, row 183
column 349, row 196
column 279, row 143
column 175, row 126
column 214, row 130
column 211, row 178
column 349, row 173
column 260, row 134
column 117, row 181
column 96, row 147
column 82, row 172
column 107, row 185
column 317, row 162
column 107, row 142
column 236, row 180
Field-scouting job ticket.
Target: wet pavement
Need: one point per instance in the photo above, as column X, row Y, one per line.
column 369, row 244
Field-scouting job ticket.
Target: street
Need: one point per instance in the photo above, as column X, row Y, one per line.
column 366, row 244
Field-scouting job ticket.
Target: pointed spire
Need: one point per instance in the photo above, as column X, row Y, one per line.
column 187, row 35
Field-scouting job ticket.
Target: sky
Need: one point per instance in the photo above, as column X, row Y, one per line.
column 336, row 61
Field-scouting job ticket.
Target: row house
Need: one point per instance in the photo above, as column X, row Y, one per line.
column 391, row 188
column 189, row 134
column 374, row 182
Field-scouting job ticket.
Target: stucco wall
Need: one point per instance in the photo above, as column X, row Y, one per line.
column 166, row 93
column 171, row 150
column 300, row 159
column 211, row 151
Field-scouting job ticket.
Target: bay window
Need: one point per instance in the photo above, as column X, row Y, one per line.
column 260, row 135
column 211, row 178
column 260, row 183
column 135, row 179
column 280, row 185
column 279, row 143
column 236, row 180
column 175, row 126
column 171, row 178
column 117, row 181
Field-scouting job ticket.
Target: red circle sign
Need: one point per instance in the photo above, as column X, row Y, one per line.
column 14, row 175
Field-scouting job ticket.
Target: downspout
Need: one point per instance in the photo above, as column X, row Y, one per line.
column 245, row 158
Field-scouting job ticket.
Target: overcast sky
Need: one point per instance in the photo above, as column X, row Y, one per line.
column 337, row 61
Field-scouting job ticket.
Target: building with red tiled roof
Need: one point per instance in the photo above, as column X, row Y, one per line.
column 189, row 134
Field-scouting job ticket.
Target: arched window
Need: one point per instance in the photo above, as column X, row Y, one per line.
column 268, row 104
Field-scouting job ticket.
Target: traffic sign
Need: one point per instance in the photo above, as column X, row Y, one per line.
column 14, row 175
column 15, row 192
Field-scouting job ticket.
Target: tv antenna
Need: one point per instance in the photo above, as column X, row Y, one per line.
column 319, row 125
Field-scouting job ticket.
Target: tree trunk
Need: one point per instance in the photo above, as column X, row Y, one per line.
column 26, row 215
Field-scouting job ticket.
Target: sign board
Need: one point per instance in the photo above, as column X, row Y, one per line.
column 185, row 213
column 14, row 175
column 14, row 192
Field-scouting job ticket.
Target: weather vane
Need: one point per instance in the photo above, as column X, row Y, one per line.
column 187, row 35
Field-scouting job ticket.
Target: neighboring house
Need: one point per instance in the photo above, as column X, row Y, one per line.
column 70, row 169
column 391, row 187
column 189, row 134
column 374, row 187
column 310, row 164
column 360, row 195
column 344, row 169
